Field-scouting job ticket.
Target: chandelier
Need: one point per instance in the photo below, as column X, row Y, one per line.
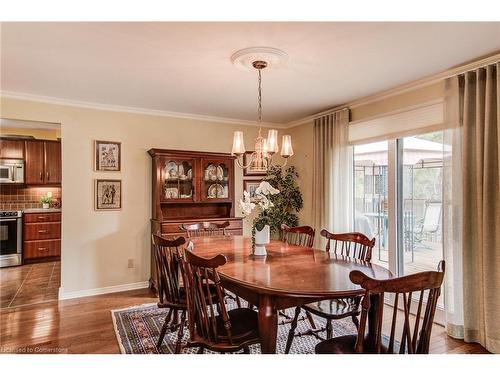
column 265, row 148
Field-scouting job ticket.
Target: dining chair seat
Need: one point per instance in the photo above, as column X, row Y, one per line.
column 341, row 308
column 244, row 325
column 347, row 345
column 337, row 345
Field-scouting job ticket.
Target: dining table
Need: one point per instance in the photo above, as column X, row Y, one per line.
column 287, row 276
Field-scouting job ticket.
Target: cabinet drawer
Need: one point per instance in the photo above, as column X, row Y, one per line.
column 41, row 249
column 42, row 231
column 42, row 217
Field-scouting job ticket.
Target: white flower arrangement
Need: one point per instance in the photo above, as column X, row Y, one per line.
column 261, row 200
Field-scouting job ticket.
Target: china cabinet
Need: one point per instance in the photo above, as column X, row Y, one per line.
column 191, row 187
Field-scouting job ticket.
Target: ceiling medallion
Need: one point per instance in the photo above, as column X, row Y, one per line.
column 260, row 58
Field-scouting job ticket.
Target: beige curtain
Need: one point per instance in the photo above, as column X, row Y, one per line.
column 332, row 182
column 479, row 99
column 452, row 212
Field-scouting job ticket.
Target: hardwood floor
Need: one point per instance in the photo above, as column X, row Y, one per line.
column 84, row 325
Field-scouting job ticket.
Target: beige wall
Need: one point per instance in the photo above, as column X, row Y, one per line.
column 37, row 133
column 97, row 245
column 302, row 136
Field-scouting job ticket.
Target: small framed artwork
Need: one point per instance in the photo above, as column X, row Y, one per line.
column 251, row 170
column 108, row 156
column 108, row 195
column 250, row 186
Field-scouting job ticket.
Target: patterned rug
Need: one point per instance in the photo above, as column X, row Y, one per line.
column 137, row 330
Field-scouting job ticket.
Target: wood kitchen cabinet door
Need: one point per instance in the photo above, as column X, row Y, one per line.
column 11, row 149
column 53, row 162
column 34, row 167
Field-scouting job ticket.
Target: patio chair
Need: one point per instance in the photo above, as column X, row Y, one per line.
column 429, row 224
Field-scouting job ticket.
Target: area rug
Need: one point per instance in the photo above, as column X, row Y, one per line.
column 137, row 330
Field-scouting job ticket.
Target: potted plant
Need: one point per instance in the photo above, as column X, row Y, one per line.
column 45, row 201
column 288, row 202
column 261, row 233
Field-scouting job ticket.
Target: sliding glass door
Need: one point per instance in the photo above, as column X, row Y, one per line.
column 371, row 197
column 398, row 200
column 422, row 191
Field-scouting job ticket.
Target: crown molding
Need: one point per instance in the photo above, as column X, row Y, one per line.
column 135, row 110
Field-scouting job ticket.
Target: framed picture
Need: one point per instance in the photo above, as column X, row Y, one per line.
column 251, row 171
column 250, row 186
column 108, row 156
column 108, row 195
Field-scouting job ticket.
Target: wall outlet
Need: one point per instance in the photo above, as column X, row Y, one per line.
column 131, row 263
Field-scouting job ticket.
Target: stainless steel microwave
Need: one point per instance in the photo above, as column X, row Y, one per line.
column 11, row 171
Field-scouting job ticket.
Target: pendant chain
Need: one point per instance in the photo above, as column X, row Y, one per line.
column 260, row 100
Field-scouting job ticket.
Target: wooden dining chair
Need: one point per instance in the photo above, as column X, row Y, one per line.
column 416, row 323
column 211, row 325
column 171, row 294
column 300, row 236
column 354, row 245
column 204, row 229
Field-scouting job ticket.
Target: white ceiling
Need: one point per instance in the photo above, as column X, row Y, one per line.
column 185, row 67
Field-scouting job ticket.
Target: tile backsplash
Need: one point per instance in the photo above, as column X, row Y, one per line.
column 21, row 197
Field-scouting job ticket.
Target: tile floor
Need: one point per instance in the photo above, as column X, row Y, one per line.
column 30, row 283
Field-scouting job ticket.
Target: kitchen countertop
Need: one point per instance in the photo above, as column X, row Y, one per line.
column 40, row 210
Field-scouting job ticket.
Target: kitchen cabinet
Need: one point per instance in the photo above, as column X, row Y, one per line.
column 34, row 163
column 41, row 236
column 43, row 162
column 11, row 149
column 53, row 162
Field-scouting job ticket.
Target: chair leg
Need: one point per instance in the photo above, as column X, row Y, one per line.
column 246, row 350
column 180, row 333
column 355, row 320
column 329, row 329
column 175, row 320
column 164, row 329
column 311, row 320
column 291, row 333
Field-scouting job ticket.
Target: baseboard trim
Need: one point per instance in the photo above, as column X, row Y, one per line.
column 105, row 290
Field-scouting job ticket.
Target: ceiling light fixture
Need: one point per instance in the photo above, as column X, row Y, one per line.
column 260, row 58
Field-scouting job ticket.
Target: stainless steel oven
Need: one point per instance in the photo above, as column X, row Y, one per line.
column 11, row 227
column 11, row 171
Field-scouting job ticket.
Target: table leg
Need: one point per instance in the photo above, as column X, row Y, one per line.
column 268, row 324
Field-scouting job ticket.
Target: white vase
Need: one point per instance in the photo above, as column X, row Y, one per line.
column 45, row 205
column 262, row 238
